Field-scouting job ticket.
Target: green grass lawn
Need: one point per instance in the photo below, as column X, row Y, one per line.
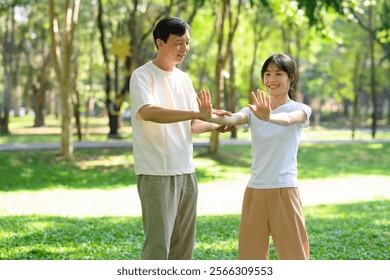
column 340, row 231
column 358, row 231
column 113, row 168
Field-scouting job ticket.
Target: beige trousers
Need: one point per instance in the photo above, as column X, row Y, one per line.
column 275, row 212
column 168, row 215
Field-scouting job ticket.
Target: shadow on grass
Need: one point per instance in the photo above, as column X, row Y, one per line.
column 336, row 232
column 113, row 168
column 46, row 237
column 317, row 161
column 37, row 170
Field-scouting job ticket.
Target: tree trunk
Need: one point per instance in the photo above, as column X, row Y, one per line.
column 89, row 103
column 357, row 77
column 224, row 48
column 66, row 122
column 297, row 85
column 62, row 66
column 372, row 64
column 258, row 34
column 76, row 100
column 5, row 107
column 110, row 104
column 39, row 94
column 9, row 58
column 39, row 103
column 388, row 105
column 231, row 94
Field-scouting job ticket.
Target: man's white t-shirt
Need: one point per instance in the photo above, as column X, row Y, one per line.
column 274, row 149
column 162, row 149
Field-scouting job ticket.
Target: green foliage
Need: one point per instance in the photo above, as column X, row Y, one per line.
column 326, row 54
column 313, row 9
column 358, row 231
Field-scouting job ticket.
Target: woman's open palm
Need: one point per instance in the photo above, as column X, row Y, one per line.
column 261, row 106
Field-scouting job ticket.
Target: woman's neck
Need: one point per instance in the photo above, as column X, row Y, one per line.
column 279, row 100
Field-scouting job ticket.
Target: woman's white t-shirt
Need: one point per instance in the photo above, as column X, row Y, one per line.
column 162, row 149
column 274, row 149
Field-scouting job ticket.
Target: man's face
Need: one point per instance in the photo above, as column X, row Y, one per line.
column 176, row 47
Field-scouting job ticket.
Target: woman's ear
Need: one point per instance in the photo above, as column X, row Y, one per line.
column 292, row 80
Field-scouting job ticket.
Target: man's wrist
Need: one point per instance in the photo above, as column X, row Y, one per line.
column 196, row 115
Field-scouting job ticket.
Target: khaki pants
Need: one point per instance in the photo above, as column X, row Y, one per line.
column 168, row 215
column 275, row 212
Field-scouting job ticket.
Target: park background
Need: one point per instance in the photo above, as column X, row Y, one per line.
column 67, row 184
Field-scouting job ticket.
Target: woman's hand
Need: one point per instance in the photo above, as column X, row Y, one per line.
column 261, row 105
column 224, row 128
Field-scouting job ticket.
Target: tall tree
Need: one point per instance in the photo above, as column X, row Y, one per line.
column 126, row 44
column 124, row 47
column 260, row 32
column 357, row 84
column 226, row 23
column 373, row 17
column 10, row 61
column 367, row 21
column 371, row 36
column 61, row 51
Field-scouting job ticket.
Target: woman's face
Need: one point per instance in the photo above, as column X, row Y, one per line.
column 276, row 81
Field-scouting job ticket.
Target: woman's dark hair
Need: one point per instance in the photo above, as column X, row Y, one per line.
column 167, row 26
column 285, row 63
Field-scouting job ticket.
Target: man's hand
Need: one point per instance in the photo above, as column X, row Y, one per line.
column 206, row 108
column 204, row 104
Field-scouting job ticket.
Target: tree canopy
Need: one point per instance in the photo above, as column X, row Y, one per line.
column 341, row 48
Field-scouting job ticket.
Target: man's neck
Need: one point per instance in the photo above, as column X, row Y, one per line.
column 163, row 64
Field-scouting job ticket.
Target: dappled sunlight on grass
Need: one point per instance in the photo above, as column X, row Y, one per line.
column 104, row 161
column 39, row 225
column 350, row 231
column 322, row 133
column 22, row 130
column 71, row 238
column 36, row 170
column 336, row 232
column 332, row 160
column 113, row 168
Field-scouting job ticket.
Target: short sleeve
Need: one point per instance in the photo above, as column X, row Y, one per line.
column 140, row 90
column 307, row 111
column 247, row 112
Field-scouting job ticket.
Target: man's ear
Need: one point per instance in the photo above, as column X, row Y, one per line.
column 159, row 43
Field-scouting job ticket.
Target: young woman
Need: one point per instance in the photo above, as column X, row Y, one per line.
column 272, row 204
